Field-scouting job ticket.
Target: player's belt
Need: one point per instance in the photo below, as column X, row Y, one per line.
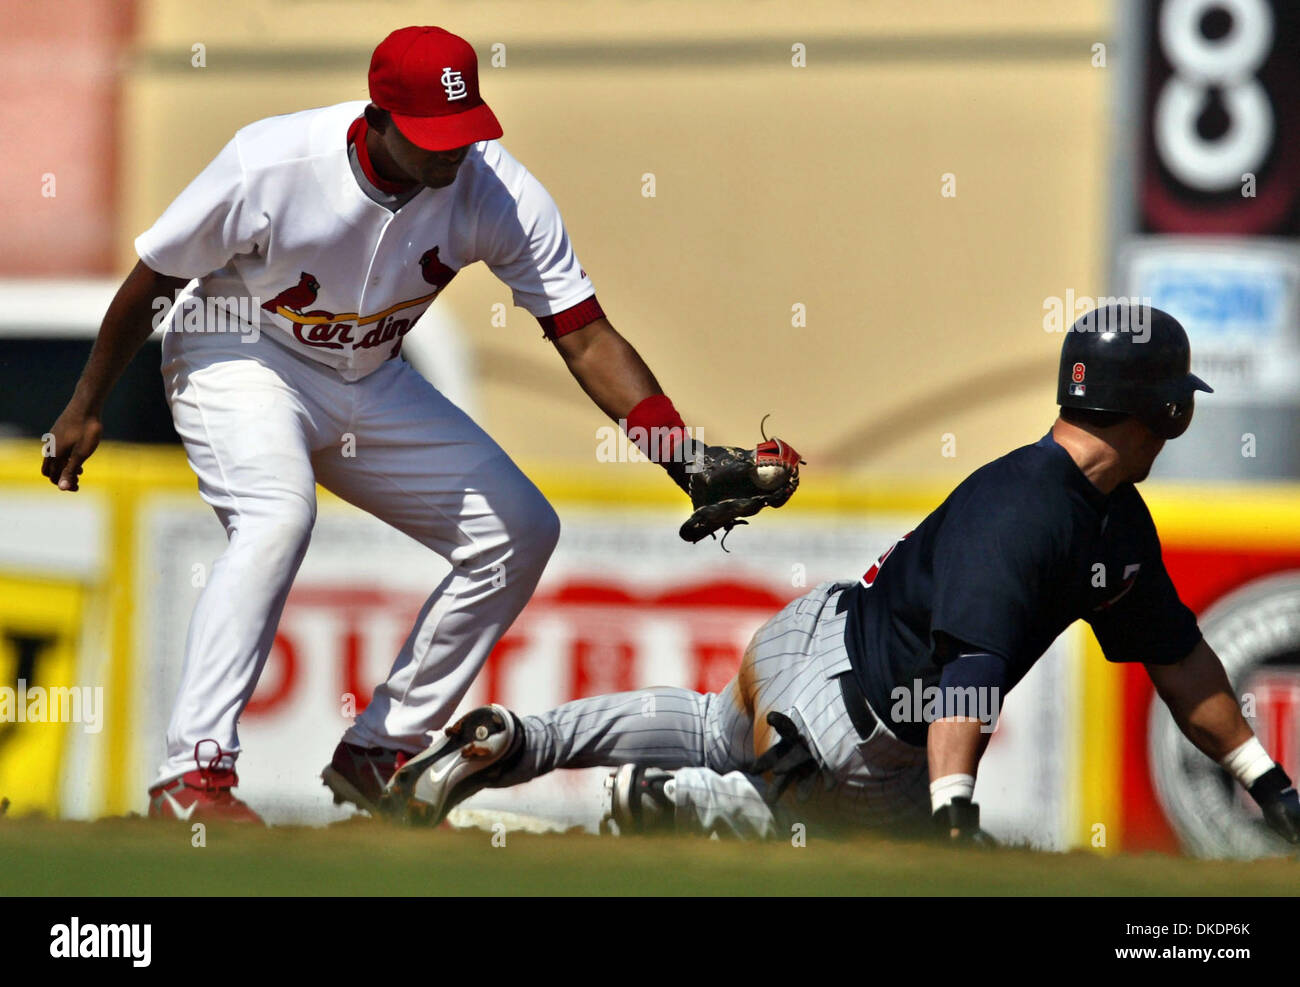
column 860, row 715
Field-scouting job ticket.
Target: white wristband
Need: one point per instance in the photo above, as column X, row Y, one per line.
column 1247, row 762
column 944, row 790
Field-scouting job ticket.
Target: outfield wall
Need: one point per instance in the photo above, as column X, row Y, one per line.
column 99, row 587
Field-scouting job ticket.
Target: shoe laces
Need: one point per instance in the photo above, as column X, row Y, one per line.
column 212, row 776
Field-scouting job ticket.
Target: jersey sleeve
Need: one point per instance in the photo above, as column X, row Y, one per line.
column 524, row 242
column 992, row 571
column 210, row 222
column 1146, row 621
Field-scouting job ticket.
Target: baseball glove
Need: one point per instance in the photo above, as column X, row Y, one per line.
column 727, row 484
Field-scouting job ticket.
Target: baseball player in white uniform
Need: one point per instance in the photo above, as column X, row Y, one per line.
column 298, row 260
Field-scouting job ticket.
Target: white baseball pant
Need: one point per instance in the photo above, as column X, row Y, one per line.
column 261, row 426
column 712, row 740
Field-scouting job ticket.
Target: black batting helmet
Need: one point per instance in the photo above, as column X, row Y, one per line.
column 1132, row 359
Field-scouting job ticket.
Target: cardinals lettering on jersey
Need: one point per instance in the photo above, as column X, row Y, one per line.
column 335, row 331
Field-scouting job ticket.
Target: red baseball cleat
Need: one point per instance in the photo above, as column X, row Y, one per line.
column 359, row 774
column 203, row 794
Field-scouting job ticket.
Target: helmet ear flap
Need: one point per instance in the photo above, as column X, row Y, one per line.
column 1170, row 420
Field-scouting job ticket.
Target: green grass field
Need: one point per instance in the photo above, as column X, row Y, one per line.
column 139, row 857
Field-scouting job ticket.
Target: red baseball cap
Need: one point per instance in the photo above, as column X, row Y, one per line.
column 427, row 79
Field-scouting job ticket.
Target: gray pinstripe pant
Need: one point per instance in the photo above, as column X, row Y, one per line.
column 712, row 740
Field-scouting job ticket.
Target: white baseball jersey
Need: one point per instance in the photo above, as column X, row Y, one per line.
column 278, row 217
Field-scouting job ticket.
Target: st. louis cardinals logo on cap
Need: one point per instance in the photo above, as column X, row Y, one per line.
column 454, row 83
column 427, row 79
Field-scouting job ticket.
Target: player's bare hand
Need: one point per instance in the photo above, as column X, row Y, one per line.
column 68, row 444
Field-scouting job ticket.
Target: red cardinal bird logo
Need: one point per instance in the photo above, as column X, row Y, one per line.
column 435, row 271
column 296, row 298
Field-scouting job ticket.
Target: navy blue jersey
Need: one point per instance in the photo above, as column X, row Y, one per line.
column 1021, row 549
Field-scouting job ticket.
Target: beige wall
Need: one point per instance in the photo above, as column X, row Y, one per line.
column 775, row 185
column 58, row 114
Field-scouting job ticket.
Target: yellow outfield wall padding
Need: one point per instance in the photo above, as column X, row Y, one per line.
column 124, row 475
column 1097, row 749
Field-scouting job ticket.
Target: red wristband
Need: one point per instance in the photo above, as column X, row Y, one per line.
column 572, row 319
column 655, row 427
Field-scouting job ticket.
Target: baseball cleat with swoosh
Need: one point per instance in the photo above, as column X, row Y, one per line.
column 479, row 748
column 358, row 774
column 202, row 795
